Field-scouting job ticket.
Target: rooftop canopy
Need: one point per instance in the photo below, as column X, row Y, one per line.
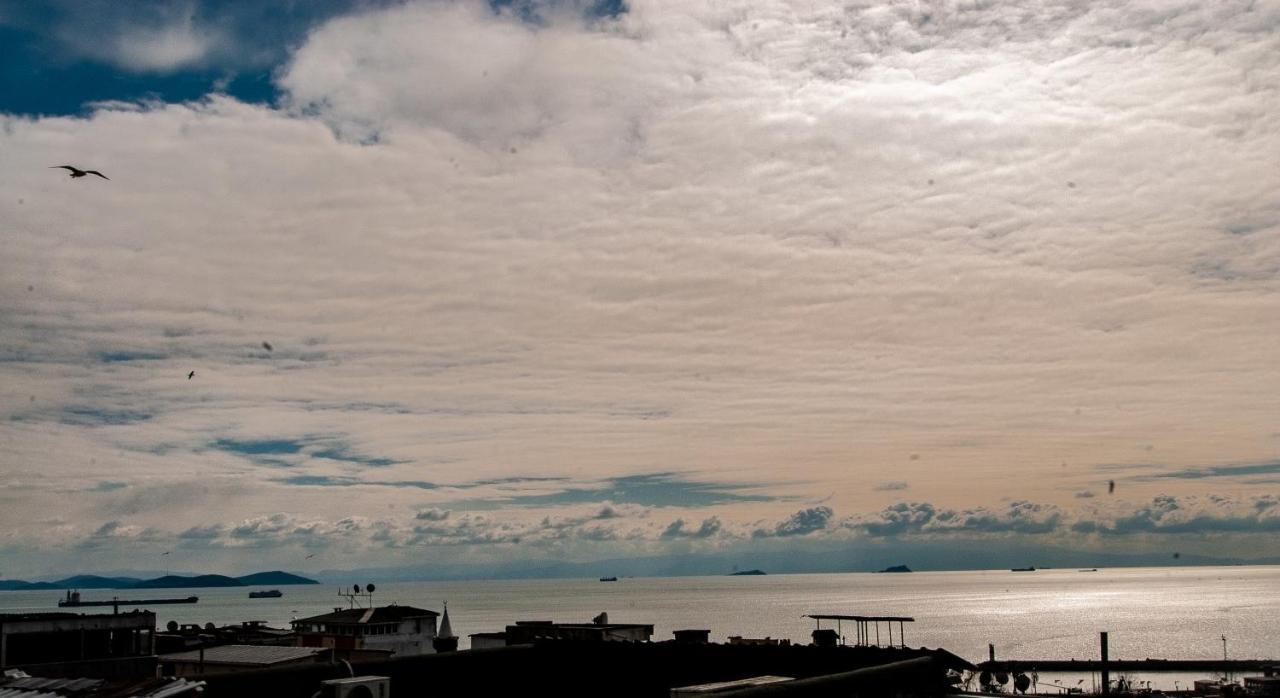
column 867, row 627
column 865, row 619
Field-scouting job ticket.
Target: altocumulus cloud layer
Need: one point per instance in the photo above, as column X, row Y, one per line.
column 552, row 282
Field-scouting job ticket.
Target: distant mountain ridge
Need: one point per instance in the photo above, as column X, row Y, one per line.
column 170, row 581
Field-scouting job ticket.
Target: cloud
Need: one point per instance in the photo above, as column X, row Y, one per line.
column 1169, row 515
column 803, row 522
column 708, row 528
column 160, row 49
column 148, row 38
column 432, row 514
column 922, row 518
column 495, row 77
column 681, row 257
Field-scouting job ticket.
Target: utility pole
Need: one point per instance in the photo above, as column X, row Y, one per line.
column 1106, row 667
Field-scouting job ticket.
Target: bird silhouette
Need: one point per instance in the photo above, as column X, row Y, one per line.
column 1111, row 486
column 267, row 346
column 311, row 556
column 191, row 375
column 77, row 172
column 165, row 553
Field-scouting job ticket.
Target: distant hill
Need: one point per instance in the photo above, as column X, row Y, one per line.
column 275, row 578
column 93, row 581
column 173, row 581
column 169, row 581
column 19, row 585
column 896, row 568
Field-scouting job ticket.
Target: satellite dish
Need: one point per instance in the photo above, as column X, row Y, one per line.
column 210, row 626
column 356, row 588
column 370, row 588
column 172, row 626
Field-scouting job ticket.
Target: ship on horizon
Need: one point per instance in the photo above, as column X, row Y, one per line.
column 73, row 600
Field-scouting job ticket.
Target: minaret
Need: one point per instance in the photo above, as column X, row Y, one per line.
column 444, row 641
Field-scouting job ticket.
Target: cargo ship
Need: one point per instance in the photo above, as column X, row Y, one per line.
column 73, row 600
column 269, row 594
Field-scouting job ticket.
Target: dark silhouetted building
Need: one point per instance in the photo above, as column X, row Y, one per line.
column 230, row 658
column 42, row 638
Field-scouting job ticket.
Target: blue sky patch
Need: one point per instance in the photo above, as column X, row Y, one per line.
column 259, row 447
column 342, row 453
column 1243, row 469
column 58, row 58
column 343, row 481
column 111, row 357
column 84, row 415
column 656, row 489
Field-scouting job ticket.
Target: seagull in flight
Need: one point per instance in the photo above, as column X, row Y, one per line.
column 165, row 553
column 77, row 172
column 191, row 375
column 311, row 556
column 267, row 346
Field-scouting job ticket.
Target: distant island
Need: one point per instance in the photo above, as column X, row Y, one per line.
column 895, row 568
column 747, row 573
column 172, row 581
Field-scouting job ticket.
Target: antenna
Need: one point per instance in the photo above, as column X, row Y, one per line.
column 353, row 596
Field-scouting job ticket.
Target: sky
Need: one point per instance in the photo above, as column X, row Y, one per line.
column 466, row 283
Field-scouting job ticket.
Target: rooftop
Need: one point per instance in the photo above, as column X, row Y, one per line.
column 361, row 616
column 245, row 655
column 40, row 687
column 62, row 615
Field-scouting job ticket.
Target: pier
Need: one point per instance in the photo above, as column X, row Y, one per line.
column 1218, row 666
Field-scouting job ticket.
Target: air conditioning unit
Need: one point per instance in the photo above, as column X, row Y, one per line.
column 358, row 687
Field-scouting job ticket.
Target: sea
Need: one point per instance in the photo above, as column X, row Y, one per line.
column 1170, row 613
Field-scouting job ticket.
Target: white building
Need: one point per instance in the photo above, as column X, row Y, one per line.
column 402, row 630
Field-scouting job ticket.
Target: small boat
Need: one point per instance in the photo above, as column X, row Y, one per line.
column 269, row 594
column 1023, row 569
column 608, row 579
column 1093, row 569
